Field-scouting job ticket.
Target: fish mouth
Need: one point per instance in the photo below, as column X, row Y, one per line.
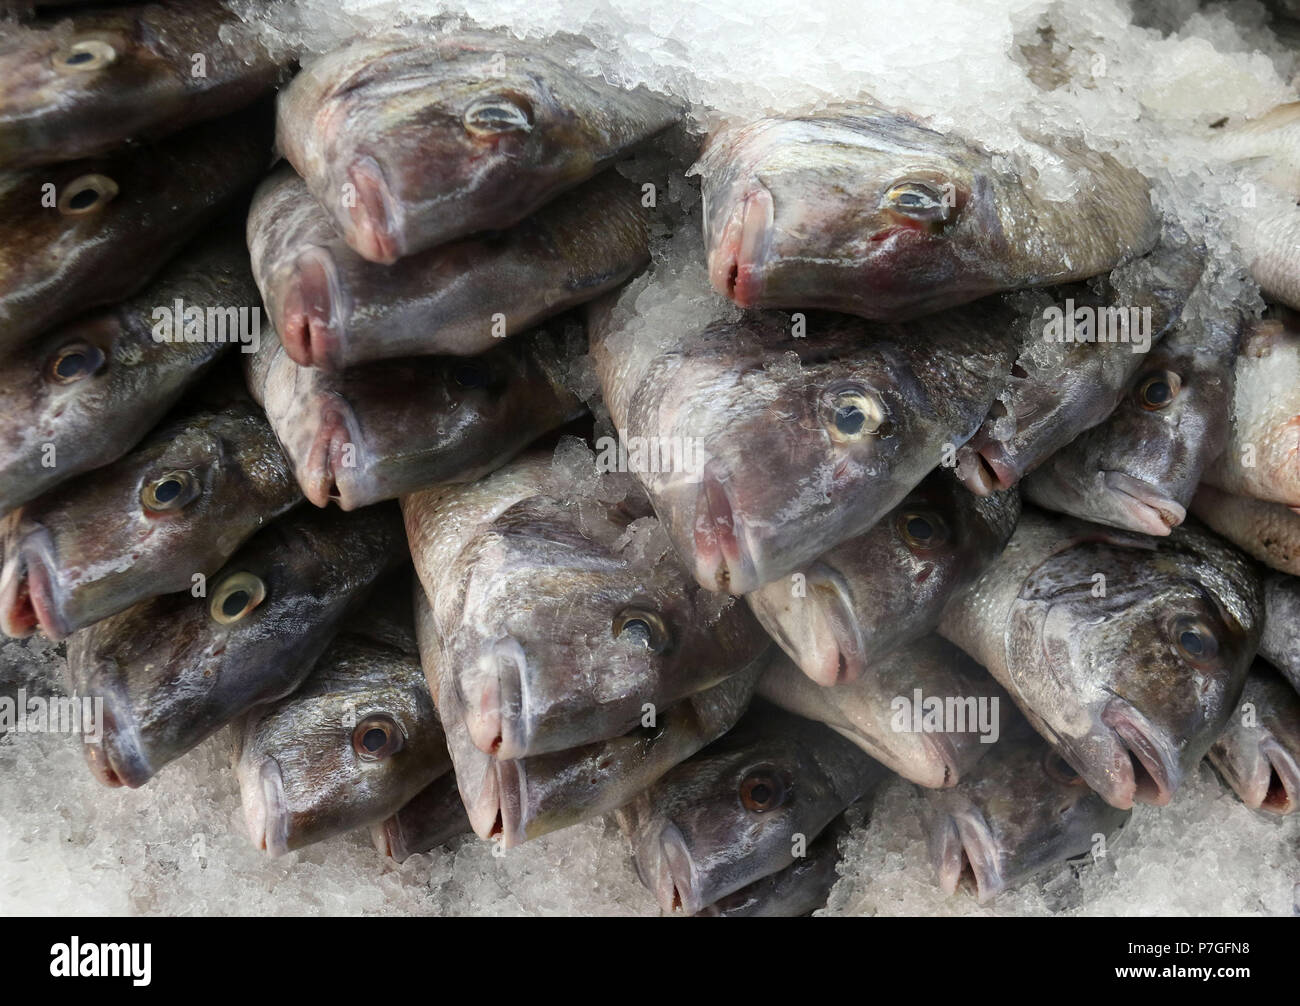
column 1274, row 784
column 311, row 318
column 987, row 468
column 1145, row 507
column 945, row 753
column 833, row 653
column 375, row 216
column 1144, row 770
column 722, row 561
column 967, row 855
column 737, row 264
column 118, row 758
column 266, row 812
column 27, row 598
column 676, row 886
column 321, row 482
column 494, row 701
column 512, row 792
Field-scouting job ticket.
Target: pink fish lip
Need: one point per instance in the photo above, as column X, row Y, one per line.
column 493, row 701
column 512, row 794
column 310, row 324
column 266, row 812
column 721, row 559
column 993, row 471
column 1280, row 791
column 1150, row 510
column 374, row 234
column 836, row 613
column 27, row 599
column 738, row 262
column 968, row 853
column 118, row 758
column 1149, row 774
column 676, row 886
column 325, row 475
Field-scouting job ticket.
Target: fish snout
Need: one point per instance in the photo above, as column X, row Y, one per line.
column 493, row 696
column 676, row 886
column 374, row 214
column 311, row 318
column 1145, row 508
column 266, row 812
column 965, row 853
column 723, row 561
column 329, row 473
column 117, row 757
column 28, row 596
column 738, row 260
column 1146, row 768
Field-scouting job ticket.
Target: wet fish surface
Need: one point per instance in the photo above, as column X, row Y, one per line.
column 1258, row 754
column 1280, row 643
column 1268, row 531
column 433, row 817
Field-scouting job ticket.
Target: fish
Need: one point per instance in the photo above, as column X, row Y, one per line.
column 840, row 617
column 554, row 634
column 888, row 711
column 800, row 889
column 1020, row 811
column 381, row 430
column 505, row 126
column 173, row 670
column 860, row 209
column 1126, row 652
column 1268, row 531
column 742, row 808
column 333, row 309
column 1262, row 456
column 176, row 506
column 515, row 801
column 432, row 818
column 87, row 83
column 83, row 394
column 1064, row 383
column 1280, row 643
column 1258, row 754
column 1139, row 469
column 81, row 234
column 797, row 442
column 356, row 741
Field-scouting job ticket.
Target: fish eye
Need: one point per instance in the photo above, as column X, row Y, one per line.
column 1158, row 391
column 376, row 738
column 170, row 491
column 236, row 596
column 762, row 790
column 74, row 362
column 1060, row 769
column 1193, row 639
column 920, row 201
column 922, row 529
column 85, row 56
column 499, row 113
column 850, row 414
column 640, row 626
column 86, row 195
column 470, row 375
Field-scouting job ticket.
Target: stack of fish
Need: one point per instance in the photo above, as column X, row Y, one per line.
column 893, row 525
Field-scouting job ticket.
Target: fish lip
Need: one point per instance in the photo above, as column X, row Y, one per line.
column 676, row 885
column 1140, row 741
column 835, row 612
column 495, row 712
column 311, row 317
column 374, row 234
column 322, row 482
column 722, row 560
column 118, row 758
column 266, row 813
column 941, row 746
column 737, row 264
column 1284, row 768
column 998, row 471
column 1151, row 510
column 512, row 788
column 386, row 837
column 969, row 844
column 27, row 599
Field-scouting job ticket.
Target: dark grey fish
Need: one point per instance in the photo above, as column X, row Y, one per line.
column 1128, row 653
column 83, row 394
column 86, row 83
column 504, row 126
column 1259, row 752
column 867, row 211
column 1140, row 468
column 1280, row 643
column 173, row 670
column 78, row 235
column 380, row 430
column 841, row 615
column 1022, row 810
column 334, row 309
column 743, row 808
column 431, row 818
column 178, row 505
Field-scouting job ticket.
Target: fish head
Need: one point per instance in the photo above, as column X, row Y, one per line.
column 560, row 640
column 870, row 214
column 1132, row 658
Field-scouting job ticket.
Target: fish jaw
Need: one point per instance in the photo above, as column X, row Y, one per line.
column 965, row 850
column 985, row 466
column 29, row 599
column 494, row 700
column 820, row 632
column 1142, row 506
column 326, row 476
column 266, row 812
column 1281, row 789
column 118, row 758
column 1144, row 769
column 376, row 231
column 311, row 320
column 675, row 883
column 738, row 260
column 723, row 561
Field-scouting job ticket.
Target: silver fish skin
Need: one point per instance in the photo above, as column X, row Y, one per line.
column 1258, row 754
column 1280, row 643
column 729, row 816
column 177, row 505
column 880, row 711
column 356, row 741
column 85, row 393
column 504, row 126
column 841, row 616
column 1268, row 531
column 513, row 801
column 108, row 224
column 381, row 430
column 173, row 670
column 556, row 637
column 867, row 211
column 1022, row 810
column 333, row 309
column 1139, row 469
column 801, row 442
column 1058, row 389
column 87, row 83
column 1126, row 652
column 1262, row 457
column 432, row 818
